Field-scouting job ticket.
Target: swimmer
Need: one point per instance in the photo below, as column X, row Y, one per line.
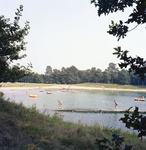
column 116, row 104
column 60, row 104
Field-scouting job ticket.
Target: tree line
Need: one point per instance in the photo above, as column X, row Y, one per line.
column 72, row 75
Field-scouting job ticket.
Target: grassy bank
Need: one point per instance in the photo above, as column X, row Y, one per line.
column 23, row 128
column 92, row 85
column 18, row 84
column 116, row 86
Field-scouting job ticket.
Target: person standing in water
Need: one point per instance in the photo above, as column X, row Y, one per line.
column 60, row 104
column 116, row 104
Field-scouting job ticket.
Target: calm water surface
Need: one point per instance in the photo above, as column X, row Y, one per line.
column 82, row 99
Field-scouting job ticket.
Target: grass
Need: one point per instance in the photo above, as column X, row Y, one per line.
column 95, row 85
column 18, row 84
column 116, row 86
column 26, row 128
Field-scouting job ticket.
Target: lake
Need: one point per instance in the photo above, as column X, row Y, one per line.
column 96, row 99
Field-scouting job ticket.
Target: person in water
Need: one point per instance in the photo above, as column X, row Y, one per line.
column 116, row 104
column 60, row 104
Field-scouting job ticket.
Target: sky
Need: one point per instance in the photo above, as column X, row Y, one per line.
column 70, row 32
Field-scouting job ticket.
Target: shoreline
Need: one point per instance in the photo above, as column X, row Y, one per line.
column 70, row 88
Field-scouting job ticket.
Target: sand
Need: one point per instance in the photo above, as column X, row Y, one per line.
column 70, row 88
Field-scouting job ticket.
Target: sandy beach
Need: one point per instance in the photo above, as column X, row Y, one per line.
column 70, row 88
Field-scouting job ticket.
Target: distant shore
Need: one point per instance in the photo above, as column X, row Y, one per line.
column 70, row 88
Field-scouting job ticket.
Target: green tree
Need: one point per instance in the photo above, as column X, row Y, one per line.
column 74, row 72
column 88, row 74
column 123, row 77
column 134, row 80
column 106, row 77
column 63, row 77
column 69, row 77
column 82, row 76
column 47, row 79
column 55, row 75
column 36, row 78
column 98, row 75
column 138, row 16
column 11, row 44
column 93, row 77
column 48, row 70
column 27, row 79
column 113, row 70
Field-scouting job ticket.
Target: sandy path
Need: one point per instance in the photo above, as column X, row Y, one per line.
column 71, row 87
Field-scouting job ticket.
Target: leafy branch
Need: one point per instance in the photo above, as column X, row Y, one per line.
column 114, row 144
column 137, row 121
column 137, row 15
column 118, row 30
column 138, row 65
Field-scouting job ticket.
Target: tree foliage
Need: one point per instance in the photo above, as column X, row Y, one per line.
column 138, row 16
column 137, row 64
column 11, row 43
column 48, row 70
column 72, row 75
column 136, row 121
column 123, row 77
column 113, row 71
column 114, row 144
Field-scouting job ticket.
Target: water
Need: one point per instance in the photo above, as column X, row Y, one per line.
column 82, row 99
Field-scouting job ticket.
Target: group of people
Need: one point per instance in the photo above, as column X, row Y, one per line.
column 60, row 104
